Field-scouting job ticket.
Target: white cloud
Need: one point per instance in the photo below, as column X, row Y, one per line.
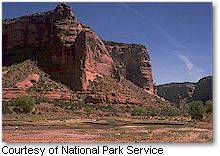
column 132, row 10
column 189, row 65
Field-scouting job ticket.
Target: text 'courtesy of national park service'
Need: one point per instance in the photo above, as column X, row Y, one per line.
column 77, row 150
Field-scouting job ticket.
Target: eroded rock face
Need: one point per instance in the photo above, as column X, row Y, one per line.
column 39, row 30
column 94, row 57
column 62, row 46
column 180, row 93
column 203, row 91
column 72, row 53
column 133, row 62
column 48, row 38
column 28, row 82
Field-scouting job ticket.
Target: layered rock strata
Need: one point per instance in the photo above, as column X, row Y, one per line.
column 133, row 63
column 72, row 53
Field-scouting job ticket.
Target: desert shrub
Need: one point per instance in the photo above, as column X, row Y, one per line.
column 71, row 105
column 106, row 108
column 88, row 110
column 79, row 103
column 208, row 106
column 171, row 111
column 25, row 103
column 153, row 112
column 42, row 99
column 177, row 112
column 137, row 112
column 196, row 110
column 5, row 109
column 73, row 108
column 61, row 103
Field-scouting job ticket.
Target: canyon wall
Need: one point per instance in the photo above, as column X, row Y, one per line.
column 180, row 93
column 72, row 53
column 132, row 62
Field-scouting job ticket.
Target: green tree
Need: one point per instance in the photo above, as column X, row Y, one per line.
column 196, row 110
column 208, row 106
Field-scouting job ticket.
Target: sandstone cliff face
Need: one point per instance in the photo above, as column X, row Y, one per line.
column 180, row 93
column 63, row 47
column 70, row 52
column 133, row 63
column 48, row 38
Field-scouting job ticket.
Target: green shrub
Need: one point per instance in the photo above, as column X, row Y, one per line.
column 42, row 99
column 61, row 103
column 106, row 108
column 208, row 106
column 5, row 109
column 88, row 110
column 196, row 110
column 171, row 111
column 25, row 103
column 137, row 112
column 153, row 112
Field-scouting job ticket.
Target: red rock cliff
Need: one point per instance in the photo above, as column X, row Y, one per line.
column 63, row 47
column 133, row 62
column 71, row 52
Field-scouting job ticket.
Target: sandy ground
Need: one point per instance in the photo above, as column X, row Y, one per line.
column 105, row 130
column 49, row 135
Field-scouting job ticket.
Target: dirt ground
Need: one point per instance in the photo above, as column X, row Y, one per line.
column 32, row 128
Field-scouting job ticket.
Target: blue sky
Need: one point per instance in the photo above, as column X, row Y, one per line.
column 178, row 35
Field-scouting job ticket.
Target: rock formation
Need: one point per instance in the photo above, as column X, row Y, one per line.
column 203, row 91
column 181, row 93
column 133, row 62
column 63, row 47
column 70, row 52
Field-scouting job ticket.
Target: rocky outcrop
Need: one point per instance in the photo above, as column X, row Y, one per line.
column 28, row 82
column 203, row 91
column 48, row 38
column 180, row 93
column 70, row 52
column 64, row 48
column 133, row 63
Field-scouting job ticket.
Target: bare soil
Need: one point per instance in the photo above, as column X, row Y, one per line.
column 35, row 128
